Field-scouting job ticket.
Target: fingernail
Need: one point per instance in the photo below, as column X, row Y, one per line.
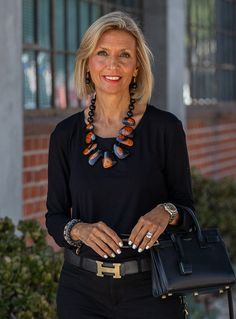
column 120, row 244
column 118, row 251
column 147, row 247
column 130, row 242
column 113, row 255
column 140, row 250
column 134, row 246
column 105, row 256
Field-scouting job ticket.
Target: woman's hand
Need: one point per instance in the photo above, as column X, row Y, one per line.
column 154, row 222
column 101, row 238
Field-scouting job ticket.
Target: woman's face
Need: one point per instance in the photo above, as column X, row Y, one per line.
column 113, row 62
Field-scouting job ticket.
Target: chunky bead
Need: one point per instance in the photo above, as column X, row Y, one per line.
column 90, row 137
column 126, row 131
column 90, row 148
column 108, row 160
column 125, row 140
column 120, row 152
column 89, row 127
column 130, row 113
column 129, row 121
column 93, row 158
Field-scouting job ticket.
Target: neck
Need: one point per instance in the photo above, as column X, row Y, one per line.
column 111, row 108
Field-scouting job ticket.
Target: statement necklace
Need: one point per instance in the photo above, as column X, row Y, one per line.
column 123, row 140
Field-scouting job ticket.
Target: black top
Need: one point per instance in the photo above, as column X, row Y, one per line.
column 157, row 171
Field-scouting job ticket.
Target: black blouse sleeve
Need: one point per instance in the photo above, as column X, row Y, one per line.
column 177, row 172
column 58, row 196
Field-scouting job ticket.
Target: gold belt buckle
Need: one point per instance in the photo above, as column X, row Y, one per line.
column 115, row 270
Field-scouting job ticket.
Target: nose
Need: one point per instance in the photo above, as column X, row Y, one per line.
column 113, row 63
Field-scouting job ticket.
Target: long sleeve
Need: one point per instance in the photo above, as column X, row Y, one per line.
column 58, row 197
column 177, row 172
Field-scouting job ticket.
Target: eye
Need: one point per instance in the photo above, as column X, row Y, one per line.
column 125, row 55
column 102, row 53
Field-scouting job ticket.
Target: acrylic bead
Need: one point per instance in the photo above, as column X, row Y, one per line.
column 90, row 148
column 108, row 160
column 89, row 127
column 93, row 158
column 120, row 152
column 90, row 137
column 129, row 121
column 125, row 140
column 126, row 131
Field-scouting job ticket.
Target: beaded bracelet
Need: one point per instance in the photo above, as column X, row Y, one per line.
column 67, row 230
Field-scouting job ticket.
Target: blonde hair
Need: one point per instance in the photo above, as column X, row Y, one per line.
column 114, row 21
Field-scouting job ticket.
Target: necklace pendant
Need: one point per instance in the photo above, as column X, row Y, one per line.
column 126, row 131
column 108, row 160
column 90, row 137
column 90, row 148
column 128, row 121
column 125, row 140
column 93, row 158
column 120, row 152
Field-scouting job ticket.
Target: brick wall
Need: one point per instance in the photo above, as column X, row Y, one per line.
column 211, row 136
column 37, row 128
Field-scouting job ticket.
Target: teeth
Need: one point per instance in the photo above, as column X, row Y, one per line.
column 113, row 78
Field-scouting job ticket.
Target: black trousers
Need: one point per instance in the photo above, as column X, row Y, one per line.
column 83, row 295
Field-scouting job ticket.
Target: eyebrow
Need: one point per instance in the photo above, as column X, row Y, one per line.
column 106, row 49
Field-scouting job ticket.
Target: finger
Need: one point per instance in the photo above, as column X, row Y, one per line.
column 147, row 242
column 98, row 250
column 136, row 230
column 108, row 241
column 144, row 239
column 100, row 247
column 153, row 240
column 111, row 233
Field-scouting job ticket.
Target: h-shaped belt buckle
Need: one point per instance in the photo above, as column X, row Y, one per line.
column 115, row 270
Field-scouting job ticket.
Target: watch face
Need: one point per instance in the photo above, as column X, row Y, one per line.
column 171, row 207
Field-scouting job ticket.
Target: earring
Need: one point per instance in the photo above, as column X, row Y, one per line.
column 87, row 78
column 134, row 84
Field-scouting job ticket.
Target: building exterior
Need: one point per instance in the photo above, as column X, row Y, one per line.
column 194, row 47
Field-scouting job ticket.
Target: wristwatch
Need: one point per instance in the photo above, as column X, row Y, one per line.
column 171, row 209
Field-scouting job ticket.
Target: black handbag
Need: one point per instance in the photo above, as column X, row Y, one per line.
column 191, row 262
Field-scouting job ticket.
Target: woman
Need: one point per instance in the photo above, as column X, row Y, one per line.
column 117, row 173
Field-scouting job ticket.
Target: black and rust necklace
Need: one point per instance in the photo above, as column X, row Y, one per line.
column 124, row 140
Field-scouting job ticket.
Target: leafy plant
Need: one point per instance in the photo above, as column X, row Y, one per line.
column 29, row 272
column 215, row 203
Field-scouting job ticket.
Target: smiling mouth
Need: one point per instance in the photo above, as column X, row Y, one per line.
column 112, row 78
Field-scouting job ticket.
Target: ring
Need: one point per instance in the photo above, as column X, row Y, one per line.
column 149, row 235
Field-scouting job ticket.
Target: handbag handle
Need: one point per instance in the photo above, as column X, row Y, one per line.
column 196, row 223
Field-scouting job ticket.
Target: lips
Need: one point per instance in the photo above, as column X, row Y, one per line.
column 112, row 78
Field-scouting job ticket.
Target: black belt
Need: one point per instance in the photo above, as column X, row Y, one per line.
column 101, row 268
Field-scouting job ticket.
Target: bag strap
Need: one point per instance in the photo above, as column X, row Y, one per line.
column 230, row 303
column 195, row 220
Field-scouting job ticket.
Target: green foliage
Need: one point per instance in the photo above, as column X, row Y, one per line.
column 29, row 268
column 215, row 203
column 29, row 272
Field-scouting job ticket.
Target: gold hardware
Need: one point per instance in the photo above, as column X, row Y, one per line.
column 163, row 297
column 195, row 293
column 115, row 270
column 227, row 287
column 170, row 294
column 221, row 291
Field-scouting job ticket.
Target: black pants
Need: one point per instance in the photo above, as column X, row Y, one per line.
column 83, row 295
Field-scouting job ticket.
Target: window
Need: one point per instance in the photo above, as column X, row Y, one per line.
column 211, row 52
column 52, row 30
